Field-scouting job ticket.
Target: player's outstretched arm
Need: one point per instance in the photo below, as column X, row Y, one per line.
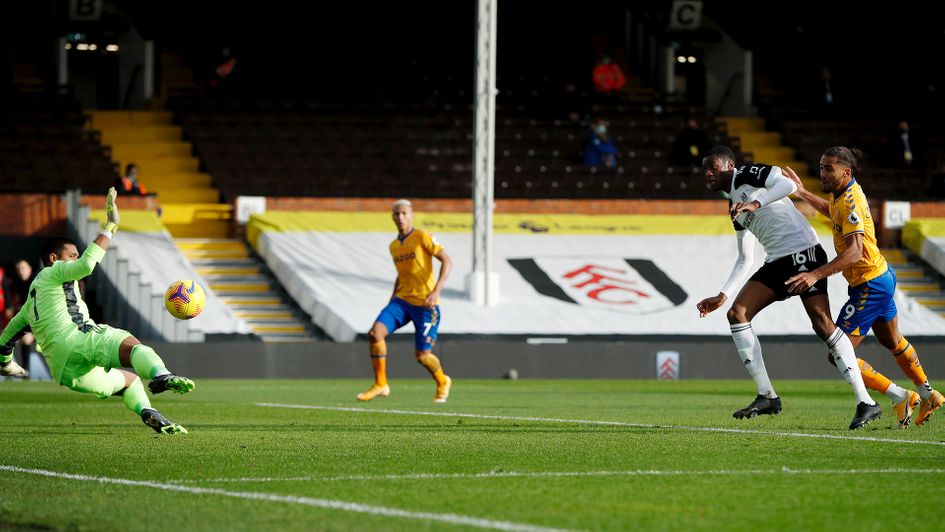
column 745, row 243
column 819, row 204
column 12, row 333
column 63, row 271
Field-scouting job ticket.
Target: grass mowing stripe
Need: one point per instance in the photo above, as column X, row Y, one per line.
column 539, row 474
column 604, row 423
column 307, row 501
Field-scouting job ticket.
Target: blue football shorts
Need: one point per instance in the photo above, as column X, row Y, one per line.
column 869, row 302
column 426, row 321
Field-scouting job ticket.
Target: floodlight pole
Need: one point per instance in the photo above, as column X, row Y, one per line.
column 483, row 284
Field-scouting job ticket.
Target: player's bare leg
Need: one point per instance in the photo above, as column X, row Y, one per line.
column 753, row 298
column 887, row 332
column 443, row 382
column 378, row 348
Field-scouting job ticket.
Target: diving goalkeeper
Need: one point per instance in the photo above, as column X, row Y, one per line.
column 82, row 355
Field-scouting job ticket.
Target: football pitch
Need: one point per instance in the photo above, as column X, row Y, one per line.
column 507, row 455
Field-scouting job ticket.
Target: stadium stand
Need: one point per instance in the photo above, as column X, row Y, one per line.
column 44, row 146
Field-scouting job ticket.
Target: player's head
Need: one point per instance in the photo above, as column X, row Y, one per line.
column 402, row 213
column 59, row 248
column 131, row 170
column 837, row 166
column 718, row 165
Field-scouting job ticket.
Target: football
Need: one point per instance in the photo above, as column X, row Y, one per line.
column 184, row 299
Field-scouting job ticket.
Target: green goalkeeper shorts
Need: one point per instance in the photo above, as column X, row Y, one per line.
column 88, row 368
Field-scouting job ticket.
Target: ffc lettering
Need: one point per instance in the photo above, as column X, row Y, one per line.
column 618, row 291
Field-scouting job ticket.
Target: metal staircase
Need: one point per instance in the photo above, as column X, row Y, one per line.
column 244, row 283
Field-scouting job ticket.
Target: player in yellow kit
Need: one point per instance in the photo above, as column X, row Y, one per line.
column 872, row 283
column 416, row 298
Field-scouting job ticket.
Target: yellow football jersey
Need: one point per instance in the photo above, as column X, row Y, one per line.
column 413, row 258
column 850, row 214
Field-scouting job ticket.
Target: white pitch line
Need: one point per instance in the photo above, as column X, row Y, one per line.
column 605, row 423
column 540, row 474
column 453, row 519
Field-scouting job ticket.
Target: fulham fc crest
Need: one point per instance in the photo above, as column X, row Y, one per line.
column 632, row 286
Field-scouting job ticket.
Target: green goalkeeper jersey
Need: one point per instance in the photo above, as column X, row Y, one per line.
column 54, row 310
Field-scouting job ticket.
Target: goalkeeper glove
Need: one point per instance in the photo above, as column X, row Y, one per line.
column 111, row 213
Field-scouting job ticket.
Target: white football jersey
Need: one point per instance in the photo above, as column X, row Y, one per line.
column 779, row 226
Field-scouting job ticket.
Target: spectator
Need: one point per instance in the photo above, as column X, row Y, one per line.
column 15, row 291
column 689, row 146
column 608, row 78
column 904, row 149
column 223, row 70
column 599, row 150
column 129, row 184
column 825, row 94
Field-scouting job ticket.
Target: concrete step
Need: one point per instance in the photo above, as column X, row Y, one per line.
column 155, row 149
column 743, row 124
column 160, row 179
column 777, row 155
column 211, row 254
column 919, row 287
column 231, row 288
column 188, row 213
column 210, row 243
column 759, row 139
column 265, row 315
column 279, row 329
column 214, row 273
column 168, row 194
column 162, row 165
column 209, row 228
column 235, row 262
column 248, row 302
column 101, row 119
column 903, row 274
column 285, row 338
column 141, row 133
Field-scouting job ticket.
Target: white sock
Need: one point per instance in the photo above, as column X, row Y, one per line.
column 925, row 391
column 749, row 349
column 845, row 358
column 896, row 393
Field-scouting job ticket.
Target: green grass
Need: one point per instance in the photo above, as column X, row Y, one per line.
column 654, row 472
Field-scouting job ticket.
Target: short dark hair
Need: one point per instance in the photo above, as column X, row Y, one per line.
column 55, row 245
column 129, row 166
column 849, row 157
column 722, row 152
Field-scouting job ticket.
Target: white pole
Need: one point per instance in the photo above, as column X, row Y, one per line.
column 483, row 284
column 148, row 70
column 62, row 62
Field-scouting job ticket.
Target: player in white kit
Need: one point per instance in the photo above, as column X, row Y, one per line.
column 760, row 208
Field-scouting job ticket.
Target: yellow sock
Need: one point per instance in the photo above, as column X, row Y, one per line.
column 432, row 364
column 908, row 362
column 873, row 379
column 379, row 362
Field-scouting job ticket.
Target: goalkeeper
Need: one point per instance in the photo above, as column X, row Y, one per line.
column 82, row 355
